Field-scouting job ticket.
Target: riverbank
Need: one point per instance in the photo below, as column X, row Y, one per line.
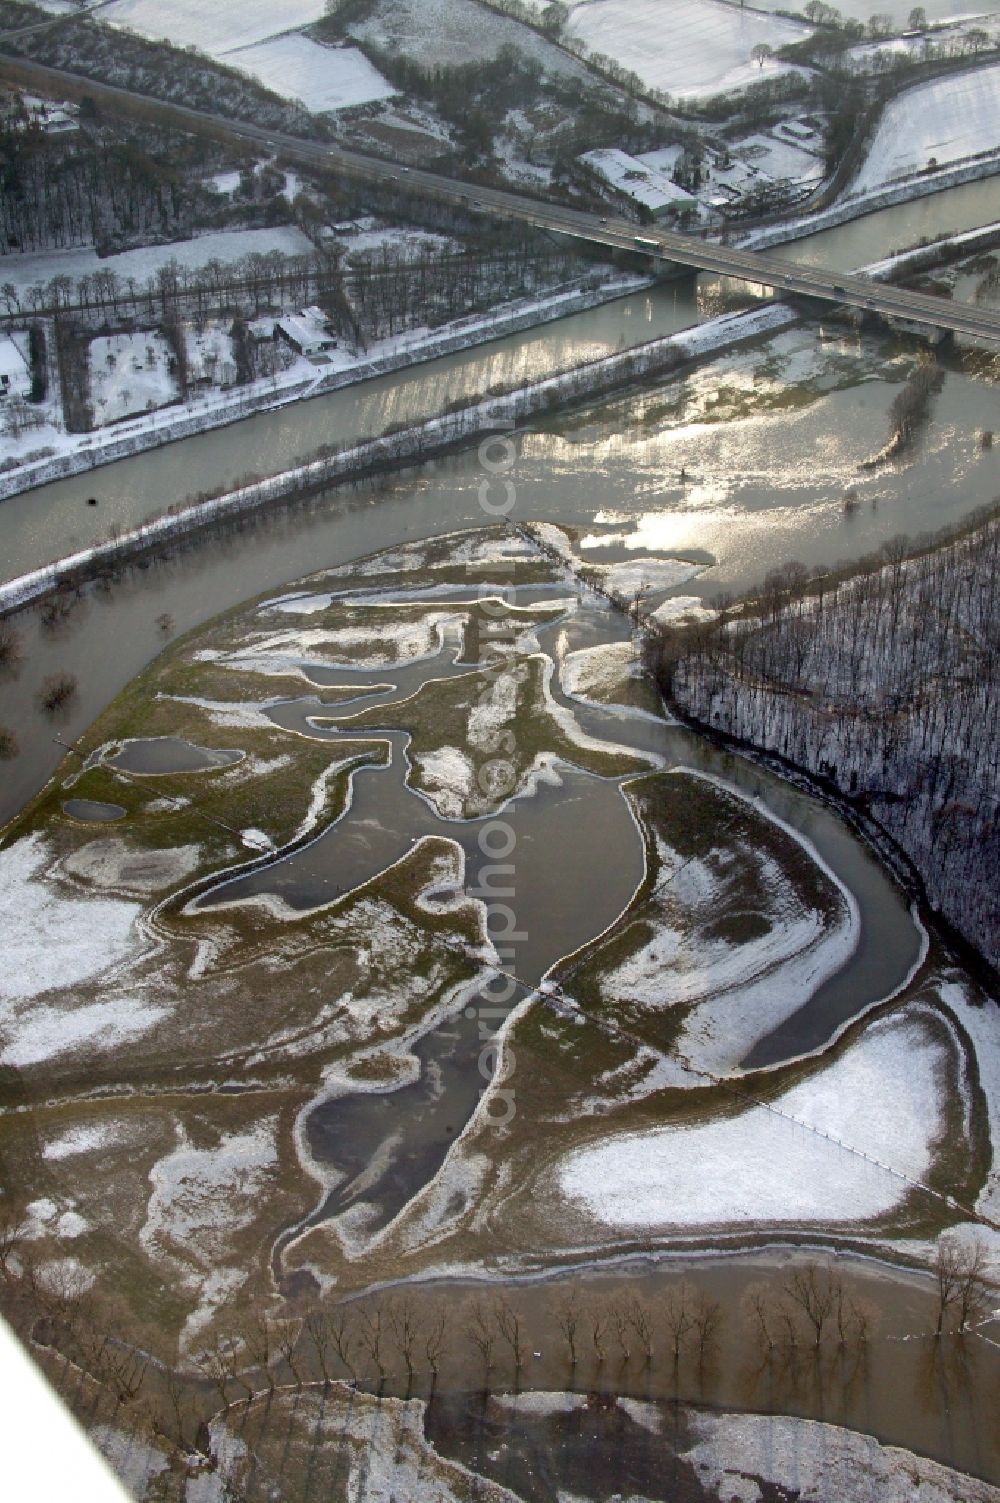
column 879, row 732
column 89, row 451
column 870, row 203
column 416, row 443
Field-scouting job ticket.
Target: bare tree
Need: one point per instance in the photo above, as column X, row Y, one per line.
column 220, row 1365
column 959, row 1268
column 479, row 1329
column 175, row 1389
column 677, row 1314
column 372, row 1339
column 814, row 1291
column 568, row 1321
column 56, row 691
column 405, row 1328
column 435, row 1341
column 622, row 1327
column 316, row 1327
column 597, row 1320
column 10, row 646
column 706, row 1318
column 286, row 1334
column 511, row 1330
column 343, row 1338
column 257, row 1341
column 948, row 1275
column 758, row 1309
column 640, row 1320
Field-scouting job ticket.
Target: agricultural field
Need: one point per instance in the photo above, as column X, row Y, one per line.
column 321, row 78
column 216, row 30
column 689, row 49
column 269, row 47
column 938, row 124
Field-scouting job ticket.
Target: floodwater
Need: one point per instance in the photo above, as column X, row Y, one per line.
column 159, row 755
column 936, row 1398
column 93, row 812
column 762, row 489
column 765, row 489
column 55, row 520
column 561, row 836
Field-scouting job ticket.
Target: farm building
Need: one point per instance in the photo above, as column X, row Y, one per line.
column 641, row 187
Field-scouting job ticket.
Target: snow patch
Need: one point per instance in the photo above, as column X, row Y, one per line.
column 42, row 1033
column 777, row 1164
column 51, row 940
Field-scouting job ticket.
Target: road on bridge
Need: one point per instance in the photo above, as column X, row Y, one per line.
column 769, row 270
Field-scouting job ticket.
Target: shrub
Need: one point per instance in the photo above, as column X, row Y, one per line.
column 57, row 690
column 10, row 645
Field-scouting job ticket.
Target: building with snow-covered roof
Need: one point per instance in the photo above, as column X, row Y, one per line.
column 15, row 377
column 641, row 186
column 307, row 331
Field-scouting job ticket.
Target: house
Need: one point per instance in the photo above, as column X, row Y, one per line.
column 53, row 119
column 641, row 187
column 15, row 377
column 307, row 331
column 59, row 123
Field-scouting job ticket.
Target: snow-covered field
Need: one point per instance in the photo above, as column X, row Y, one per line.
column 50, row 939
column 54, row 941
column 688, row 48
column 733, row 989
column 781, row 159
column 881, row 1098
column 24, row 271
column 215, row 29
column 323, row 78
column 46, row 1032
column 817, row 1463
column 130, row 373
column 941, row 123
column 261, row 39
column 388, row 644
column 594, row 673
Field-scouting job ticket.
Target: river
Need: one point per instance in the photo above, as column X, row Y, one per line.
column 55, row 520
column 765, row 488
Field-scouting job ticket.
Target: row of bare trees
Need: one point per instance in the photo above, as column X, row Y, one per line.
column 251, row 284
column 811, row 1309
column 401, row 1338
column 810, row 1306
column 609, row 1335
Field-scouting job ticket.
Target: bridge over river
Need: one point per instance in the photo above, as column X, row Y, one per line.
column 672, row 246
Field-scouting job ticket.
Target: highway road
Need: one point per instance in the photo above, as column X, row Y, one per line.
column 770, row 270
